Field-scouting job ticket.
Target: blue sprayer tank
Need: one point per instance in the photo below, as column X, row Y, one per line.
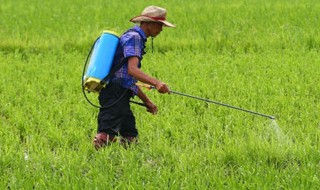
column 100, row 61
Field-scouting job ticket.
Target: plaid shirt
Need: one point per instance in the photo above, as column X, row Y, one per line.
column 131, row 44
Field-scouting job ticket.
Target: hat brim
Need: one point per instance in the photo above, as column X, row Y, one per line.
column 141, row 18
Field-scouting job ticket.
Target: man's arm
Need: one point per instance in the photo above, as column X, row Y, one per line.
column 134, row 71
column 150, row 106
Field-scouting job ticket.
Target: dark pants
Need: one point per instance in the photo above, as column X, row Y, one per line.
column 117, row 117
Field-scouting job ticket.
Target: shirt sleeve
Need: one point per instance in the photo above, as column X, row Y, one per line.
column 131, row 43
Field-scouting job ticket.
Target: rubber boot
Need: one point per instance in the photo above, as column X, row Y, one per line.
column 102, row 140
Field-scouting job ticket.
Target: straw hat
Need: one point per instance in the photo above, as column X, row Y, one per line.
column 153, row 14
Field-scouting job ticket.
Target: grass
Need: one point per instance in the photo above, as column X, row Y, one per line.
column 258, row 55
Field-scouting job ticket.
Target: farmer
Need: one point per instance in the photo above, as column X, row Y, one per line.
column 119, row 119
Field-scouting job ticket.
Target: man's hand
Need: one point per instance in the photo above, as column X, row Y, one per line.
column 162, row 87
column 151, row 107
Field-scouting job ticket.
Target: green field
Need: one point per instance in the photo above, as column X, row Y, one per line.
column 261, row 55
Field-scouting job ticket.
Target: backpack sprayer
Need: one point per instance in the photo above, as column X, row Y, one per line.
column 101, row 58
column 97, row 74
column 149, row 87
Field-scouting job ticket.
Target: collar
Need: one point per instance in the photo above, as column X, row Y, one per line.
column 140, row 31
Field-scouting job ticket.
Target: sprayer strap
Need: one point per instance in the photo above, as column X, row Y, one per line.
column 114, row 69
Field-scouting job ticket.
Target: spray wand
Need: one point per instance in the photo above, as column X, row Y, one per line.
column 149, row 87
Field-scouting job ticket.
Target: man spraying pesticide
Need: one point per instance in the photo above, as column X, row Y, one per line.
column 115, row 116
column 114, row 75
